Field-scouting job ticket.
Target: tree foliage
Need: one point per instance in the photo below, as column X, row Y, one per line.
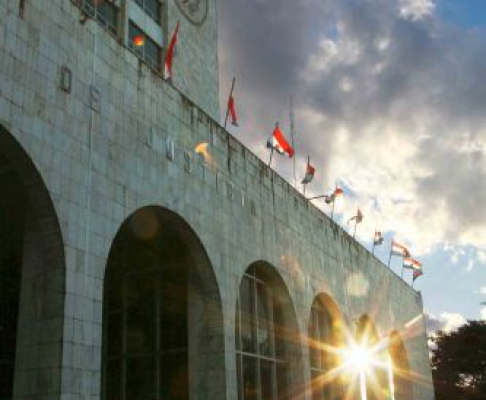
column 459, row 363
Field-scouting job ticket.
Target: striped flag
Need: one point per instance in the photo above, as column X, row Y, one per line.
column 309, row 174
column 399, row 250
column 410, row 263
column 332, row 197
column 169, row 58
column 378, row 239
column 278, row 142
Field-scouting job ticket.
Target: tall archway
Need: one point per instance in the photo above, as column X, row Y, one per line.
column 268, row 355
column 32, row 274
column 402, row 384
column 162, row 314
column 326, row 336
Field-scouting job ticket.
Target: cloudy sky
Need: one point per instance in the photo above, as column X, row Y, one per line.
column 390, row 103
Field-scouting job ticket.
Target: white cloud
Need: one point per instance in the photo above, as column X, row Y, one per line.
column 483, row 313
column 446, row 322
column 416, row 9
column 386, row 102
column 482, row 290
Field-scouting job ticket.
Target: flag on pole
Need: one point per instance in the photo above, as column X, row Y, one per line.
column 417, row 273
column 169, row 58
column 378, row 239
column 309, row 174
column 410, row 263
column 278, row 142
column 332, row 197
column 232, row 110
column 358, row 217
column 399, row 250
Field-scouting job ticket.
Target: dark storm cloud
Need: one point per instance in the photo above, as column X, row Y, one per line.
column 382, row 75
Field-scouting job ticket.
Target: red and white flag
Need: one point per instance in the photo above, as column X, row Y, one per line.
column 278, row 142
column 309, row 174
column 169, row 58
column 399, row 250
column 232, row 111
column 410, row 263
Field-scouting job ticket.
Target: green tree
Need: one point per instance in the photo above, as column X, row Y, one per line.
column 459, row 363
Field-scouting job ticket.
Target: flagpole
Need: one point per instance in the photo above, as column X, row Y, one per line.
column 355, row 225
column 308, row 163
column 332, row 212
column 227, row 106
column 403, row 268
column 271, row 155
column 389, row 258
column 292, row 131
column 374, row 245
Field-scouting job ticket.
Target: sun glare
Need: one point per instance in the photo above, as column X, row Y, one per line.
column 358, row 358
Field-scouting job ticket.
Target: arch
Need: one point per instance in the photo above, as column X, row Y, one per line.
column 267, row 341
column 326, row 336
column 32, row 275
column 403, row 387
column 161, row 308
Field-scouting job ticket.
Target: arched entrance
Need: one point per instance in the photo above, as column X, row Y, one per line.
column 162, row 314
column 31, row 277
column 402, row 384
column 268, row 355
column 326, row 338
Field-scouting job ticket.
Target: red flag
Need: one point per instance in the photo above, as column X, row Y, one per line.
column 170, row 54
column 417, row 273
column 279, row 143
column 232, row 111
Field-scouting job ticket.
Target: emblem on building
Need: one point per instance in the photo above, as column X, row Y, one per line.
column 195, row 11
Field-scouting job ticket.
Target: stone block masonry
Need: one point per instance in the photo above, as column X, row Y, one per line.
column 122, row 139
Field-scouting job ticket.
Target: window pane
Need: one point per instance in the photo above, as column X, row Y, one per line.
column 141, row 314
column 152, row 8
column 281, row 381
column 113, row 381
column 140, row 378
column 247, row 315
column 237, row 326
column 152, row 53
column 238, row 375
column 314, row 344
column 173, row 309
column 279, row 332
column 250, row 391
column 266, row 379
column 264, row 323
column 174, row 378
column 114, row 334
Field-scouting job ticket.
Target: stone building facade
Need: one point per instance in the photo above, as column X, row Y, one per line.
column 132, row 267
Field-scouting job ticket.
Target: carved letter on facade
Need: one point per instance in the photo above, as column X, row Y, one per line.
column 169, row 149
column 188, row 161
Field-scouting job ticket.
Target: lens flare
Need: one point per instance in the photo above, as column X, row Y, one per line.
column 358, row 358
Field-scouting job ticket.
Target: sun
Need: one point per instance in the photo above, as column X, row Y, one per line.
column 358, row 359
